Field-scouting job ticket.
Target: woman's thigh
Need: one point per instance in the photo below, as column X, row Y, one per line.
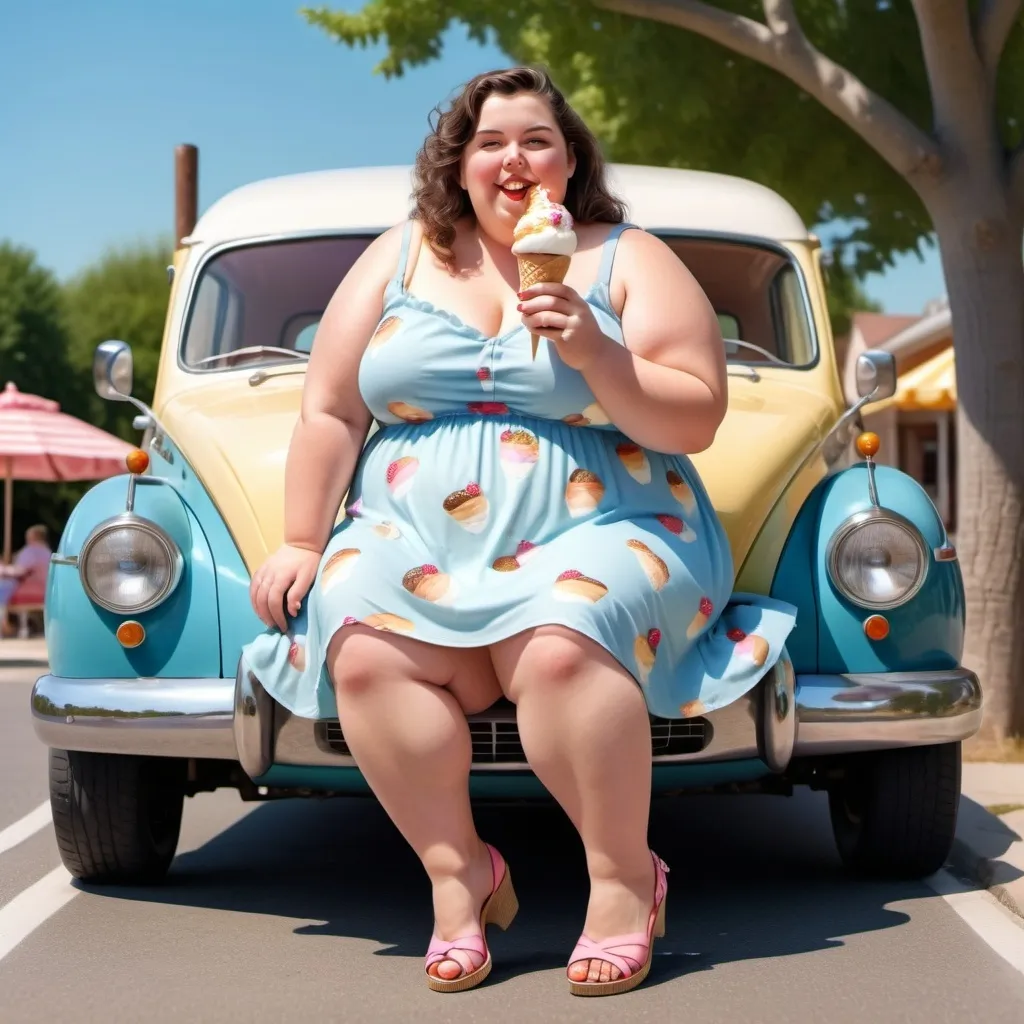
column 359, row 656
column 552, row 656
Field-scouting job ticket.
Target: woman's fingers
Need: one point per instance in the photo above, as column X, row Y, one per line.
column 275, row 603
column 299, row 589
column 548, row 322
column 542, row 302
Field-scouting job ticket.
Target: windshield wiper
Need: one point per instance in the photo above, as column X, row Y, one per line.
column 771, row 357
column 253, row 350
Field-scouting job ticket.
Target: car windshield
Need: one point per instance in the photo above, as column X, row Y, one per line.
column 261, row 304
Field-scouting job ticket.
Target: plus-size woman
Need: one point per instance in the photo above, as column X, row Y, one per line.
column 518, row 526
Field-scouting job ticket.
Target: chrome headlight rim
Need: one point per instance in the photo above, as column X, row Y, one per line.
column 174, row 556
column 856, row 522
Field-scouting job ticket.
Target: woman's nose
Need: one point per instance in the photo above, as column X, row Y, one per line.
column 513, row 156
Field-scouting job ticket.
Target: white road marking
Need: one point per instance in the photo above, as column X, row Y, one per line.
column 25, row 827
column 30, row 908
column 1001, row 930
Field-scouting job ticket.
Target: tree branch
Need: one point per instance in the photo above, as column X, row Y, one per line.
column 781, row 45
column 962, row 103
column 992, row 26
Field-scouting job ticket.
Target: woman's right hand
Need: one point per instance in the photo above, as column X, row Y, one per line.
column 281, row 582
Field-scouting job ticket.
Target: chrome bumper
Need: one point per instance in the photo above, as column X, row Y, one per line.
column 785, row 716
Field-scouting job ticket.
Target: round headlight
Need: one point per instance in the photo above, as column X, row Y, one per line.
column 129, row 565
column 878, row 559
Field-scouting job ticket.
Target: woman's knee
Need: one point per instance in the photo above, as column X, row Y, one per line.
column 549, row 660
column 358, row 658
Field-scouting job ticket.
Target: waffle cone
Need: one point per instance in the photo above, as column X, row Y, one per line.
column 538, row 268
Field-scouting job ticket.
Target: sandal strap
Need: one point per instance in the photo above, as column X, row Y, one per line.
column 468, row 951
column 626, row 952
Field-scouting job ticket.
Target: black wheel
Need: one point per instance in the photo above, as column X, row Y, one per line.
column 116, row 816
column 894, row 815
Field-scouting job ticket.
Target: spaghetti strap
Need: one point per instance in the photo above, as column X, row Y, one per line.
column 604, row 274
column 397, row 284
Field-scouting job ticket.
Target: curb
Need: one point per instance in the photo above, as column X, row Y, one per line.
column 989, row 851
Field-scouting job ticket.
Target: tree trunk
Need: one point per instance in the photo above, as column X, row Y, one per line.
column 981, row 244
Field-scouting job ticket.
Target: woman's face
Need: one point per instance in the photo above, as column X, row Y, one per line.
column 517, row 143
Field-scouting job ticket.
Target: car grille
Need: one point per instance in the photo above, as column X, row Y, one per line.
column 495, row 737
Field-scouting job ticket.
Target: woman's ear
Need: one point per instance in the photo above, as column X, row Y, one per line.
column 572, row 159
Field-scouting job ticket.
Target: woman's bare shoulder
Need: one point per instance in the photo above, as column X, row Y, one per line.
column 382, row 254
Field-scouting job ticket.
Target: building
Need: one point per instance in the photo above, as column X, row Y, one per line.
column 917, row 426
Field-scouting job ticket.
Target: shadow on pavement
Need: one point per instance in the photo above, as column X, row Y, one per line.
column 751, row 877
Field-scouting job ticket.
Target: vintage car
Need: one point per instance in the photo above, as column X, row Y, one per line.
column 148, row 700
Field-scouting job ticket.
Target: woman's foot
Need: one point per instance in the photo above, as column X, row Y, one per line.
column 636, row 906
column 616, row 907
column 459, row 894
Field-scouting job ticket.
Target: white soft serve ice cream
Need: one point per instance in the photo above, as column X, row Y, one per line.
column 545, row 227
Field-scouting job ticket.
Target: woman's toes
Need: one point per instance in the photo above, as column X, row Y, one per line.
column 579, row 971
column 593, row 970
column 446, row 970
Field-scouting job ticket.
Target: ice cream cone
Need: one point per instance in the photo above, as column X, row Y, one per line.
column 541, row 268
column 544, row 241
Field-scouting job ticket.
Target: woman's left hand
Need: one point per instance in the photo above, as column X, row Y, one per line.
column 559, row 313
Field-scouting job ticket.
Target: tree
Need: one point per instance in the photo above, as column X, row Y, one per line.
column 924, row 137
column 846, row 296
column 33, row 356
column 33, row 340
column 123, row 295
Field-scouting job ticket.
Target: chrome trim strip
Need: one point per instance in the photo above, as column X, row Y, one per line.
column 172, row 717
column 71, row 560
column 872, row 485
column 254, row 721
column 872, row 711
column 779, row 722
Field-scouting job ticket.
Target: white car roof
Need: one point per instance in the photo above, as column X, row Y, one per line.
column 375, row 198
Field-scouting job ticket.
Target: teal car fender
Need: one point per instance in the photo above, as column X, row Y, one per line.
column 199, row 630
column 925, row 634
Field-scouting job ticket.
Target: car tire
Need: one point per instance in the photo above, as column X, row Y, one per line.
column 894, row 814
column 117, row 817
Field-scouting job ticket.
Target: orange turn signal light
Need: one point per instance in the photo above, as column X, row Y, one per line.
column 131, row 633
column 137, row 461
column 876, row 627
column 868, row 444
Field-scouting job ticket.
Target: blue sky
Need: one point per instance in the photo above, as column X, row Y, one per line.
column 96, row 95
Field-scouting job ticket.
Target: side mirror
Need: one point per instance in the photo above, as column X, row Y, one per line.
column 112, row 370
column 876, row 375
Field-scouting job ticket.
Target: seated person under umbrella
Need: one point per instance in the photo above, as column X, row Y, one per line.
column 25, row 577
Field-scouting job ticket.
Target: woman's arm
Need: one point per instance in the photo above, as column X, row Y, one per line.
column 334, row 420
column 666, row 388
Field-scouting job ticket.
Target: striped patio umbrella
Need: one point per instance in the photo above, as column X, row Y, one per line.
column 39, row 442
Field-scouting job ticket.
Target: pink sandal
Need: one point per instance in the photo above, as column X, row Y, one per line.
column 470, row 951
column 631, row 954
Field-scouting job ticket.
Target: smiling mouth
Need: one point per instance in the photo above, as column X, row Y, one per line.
column 517, row 191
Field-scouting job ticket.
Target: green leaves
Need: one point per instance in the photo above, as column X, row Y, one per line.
column 657, row 94
column 48, row 334
column 33, row 341
column 123, row 295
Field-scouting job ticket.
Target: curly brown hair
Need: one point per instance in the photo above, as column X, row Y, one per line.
column 440, row 200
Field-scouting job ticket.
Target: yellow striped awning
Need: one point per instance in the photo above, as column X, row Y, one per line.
column 932, row 385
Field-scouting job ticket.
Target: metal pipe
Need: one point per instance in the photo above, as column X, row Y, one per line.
column 186, row 190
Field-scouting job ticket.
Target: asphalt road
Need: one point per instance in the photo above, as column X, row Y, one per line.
column 316, row 910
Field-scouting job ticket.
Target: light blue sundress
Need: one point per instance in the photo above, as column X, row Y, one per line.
column 495, row 497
